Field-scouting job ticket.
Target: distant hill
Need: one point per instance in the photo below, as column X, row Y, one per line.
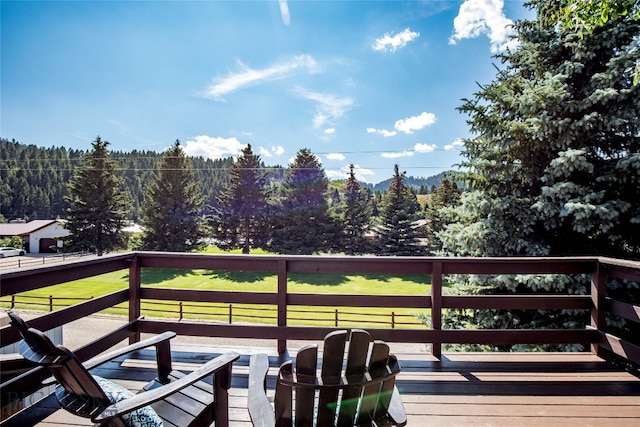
column 417, row 183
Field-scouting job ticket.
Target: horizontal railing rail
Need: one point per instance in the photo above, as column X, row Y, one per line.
column 434, row 305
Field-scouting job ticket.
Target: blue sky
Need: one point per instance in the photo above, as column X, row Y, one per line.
column 369, row 83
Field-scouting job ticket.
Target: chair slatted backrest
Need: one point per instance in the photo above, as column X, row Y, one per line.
column 80, row 393
column 355, row 389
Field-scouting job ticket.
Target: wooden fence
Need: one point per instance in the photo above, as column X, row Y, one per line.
column 227, row 313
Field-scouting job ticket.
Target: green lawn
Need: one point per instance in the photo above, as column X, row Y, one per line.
column 317, row 283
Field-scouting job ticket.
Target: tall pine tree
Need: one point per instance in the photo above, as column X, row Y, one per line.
column 399, row 231
column 172, row 211
column 302, row 224
column 355, row 217
column 444, row 197
column 97, row 205
column 242, row 206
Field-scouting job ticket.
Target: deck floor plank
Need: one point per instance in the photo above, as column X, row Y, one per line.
column 462, row 389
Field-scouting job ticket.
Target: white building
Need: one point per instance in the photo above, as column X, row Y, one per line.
column 39, row 236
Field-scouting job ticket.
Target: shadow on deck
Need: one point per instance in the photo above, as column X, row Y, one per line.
column 461, row 389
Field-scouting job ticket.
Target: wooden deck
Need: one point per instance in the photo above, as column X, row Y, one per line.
column 462, row 389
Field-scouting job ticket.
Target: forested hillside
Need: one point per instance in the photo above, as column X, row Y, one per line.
column 421, row 185
column 33, row 180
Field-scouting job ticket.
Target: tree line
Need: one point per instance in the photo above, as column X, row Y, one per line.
column 33, row 180
column 295, row 213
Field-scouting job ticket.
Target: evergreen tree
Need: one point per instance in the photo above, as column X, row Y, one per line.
column 555, row 163
column 242, row 206
column 172, row 210
column 355, row 217
column 399, row 230
column 302, row 224
column 97, row 205
column 587, row 16
column 447, row 195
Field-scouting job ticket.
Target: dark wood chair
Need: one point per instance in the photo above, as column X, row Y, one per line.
column 177, row 399
column 363, row 393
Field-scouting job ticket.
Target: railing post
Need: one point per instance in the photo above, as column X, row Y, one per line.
column 134, row 295
column 282, row 302
column 436, row 306
column 598, row 299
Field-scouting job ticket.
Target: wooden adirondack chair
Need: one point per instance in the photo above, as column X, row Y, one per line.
column 173, row 398
column 363, row 393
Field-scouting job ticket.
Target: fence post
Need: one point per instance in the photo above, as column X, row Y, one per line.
column 13, row 301
column 180, row 309
column 134, row 295
column 230, row 314
column 282, row 302
column 393, row 320
column 336, row 318
column 436, row 306
column 50, row 303
column 598, row 300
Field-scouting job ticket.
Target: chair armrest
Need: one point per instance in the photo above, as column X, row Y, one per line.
column 107, row 357
column 396, row 409
column 260, row 409
column 156, row 394
column 155, row 340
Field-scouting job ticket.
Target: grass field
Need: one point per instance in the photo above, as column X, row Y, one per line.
column 73, row 292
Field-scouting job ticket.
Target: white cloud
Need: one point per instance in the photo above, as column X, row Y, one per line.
column 329, row 106
column 284, row 12
column 246, row 76
column 335, row 156
column 391, row 43
column 457, row 143
column 412, row 124
column 343, row 173
column 213, row 147
column 424, row 148
column 361, row 172
column 383, row 132
column 329, row 131
column 477, row 17
column 275, row 151
column 334, row 174
column 396, row 154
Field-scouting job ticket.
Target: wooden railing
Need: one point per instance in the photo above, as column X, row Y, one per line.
column 434, row 304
